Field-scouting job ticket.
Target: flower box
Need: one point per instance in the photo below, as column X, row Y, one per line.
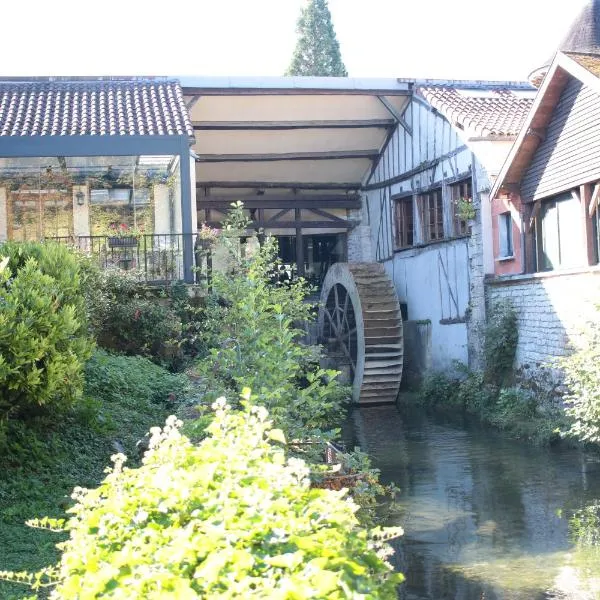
column 128, row 241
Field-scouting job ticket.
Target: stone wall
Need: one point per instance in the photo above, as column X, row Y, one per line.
column 359, row 238
column 553, row 311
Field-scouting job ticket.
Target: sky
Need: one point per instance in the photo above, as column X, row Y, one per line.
column 447, row 39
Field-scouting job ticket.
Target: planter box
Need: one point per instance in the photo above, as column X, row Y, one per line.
column 122, row 242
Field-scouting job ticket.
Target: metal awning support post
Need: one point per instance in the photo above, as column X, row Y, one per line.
column 188, row 204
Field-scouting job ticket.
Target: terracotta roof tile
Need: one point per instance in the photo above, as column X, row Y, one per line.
column 114, row 108
column 497, row 111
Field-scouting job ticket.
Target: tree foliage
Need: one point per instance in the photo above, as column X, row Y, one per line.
column 43, row 331
column 317, row 51
column 582, row 382
column 254, row 335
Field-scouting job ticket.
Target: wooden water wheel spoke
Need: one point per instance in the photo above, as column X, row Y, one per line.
column 359, row 313
column 331, row 321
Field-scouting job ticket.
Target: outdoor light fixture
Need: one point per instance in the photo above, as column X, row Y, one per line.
column 80, row 196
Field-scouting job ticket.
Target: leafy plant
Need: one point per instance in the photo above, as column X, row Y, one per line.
column 132, row 380
column 43, row 334
column 253, row 331
column 465, row 209
column 500, row 343
column 582, row 386
column 125, row 318
column 229, row 518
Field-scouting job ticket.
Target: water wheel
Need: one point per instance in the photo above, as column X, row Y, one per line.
column 360, row 326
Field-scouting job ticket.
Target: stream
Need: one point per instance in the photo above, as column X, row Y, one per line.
column 485, row 517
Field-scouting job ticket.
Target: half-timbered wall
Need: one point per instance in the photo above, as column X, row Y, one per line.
column 434, row 279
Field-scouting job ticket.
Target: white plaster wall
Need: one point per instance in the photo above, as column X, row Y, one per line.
column 434, row 282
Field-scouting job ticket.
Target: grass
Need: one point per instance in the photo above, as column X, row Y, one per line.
column 44, row 461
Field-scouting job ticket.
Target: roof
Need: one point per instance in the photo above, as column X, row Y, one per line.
column 562, row 69
column 102, row 108
column 590, row 62
column 481, row 111
column 291, row 133
column 584, row 33
column 583, row 37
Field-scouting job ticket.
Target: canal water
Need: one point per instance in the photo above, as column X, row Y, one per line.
column 485, row 517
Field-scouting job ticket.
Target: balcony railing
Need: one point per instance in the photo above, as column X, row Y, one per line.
column 154, row 258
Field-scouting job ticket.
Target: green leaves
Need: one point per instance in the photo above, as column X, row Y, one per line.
column 230, row 518
column 43, row 338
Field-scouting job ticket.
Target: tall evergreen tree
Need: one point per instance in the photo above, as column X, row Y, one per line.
column 317, row 51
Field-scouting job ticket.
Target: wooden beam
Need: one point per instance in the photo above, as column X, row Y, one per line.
column 594, row 199
column 299, row 242
column 286, row 185
column 351, row 201
column 284, row 125
column 398, row 116
column 424, row 166
column 587, row 230
column 326, row 215
column 293, row 224
column 535, row 209
column 192, row 101
column 329, row 155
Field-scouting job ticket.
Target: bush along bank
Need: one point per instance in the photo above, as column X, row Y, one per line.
column 522, row 407
column 263, row 452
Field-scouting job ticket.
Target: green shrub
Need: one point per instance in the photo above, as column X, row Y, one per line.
column 43, row 331
column 252, row 329
column 131, row 380
column 230, row 518
column 438, row 390
column 582, row 386
column 500, row 343
column 127, row 318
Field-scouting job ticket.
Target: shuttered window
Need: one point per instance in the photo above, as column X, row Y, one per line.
column 404, row 222
column 460, row 191
column 432, row 215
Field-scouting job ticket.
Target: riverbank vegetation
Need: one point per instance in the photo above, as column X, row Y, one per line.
column 246, row 487
column 522, row 406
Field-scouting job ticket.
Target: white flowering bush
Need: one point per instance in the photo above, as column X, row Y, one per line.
column 229, row 518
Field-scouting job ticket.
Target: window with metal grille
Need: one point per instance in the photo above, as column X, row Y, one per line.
column 404, row 222
column 432, row 215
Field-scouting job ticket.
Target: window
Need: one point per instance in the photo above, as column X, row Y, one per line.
column 505, row 235
column 557, row 226
column 460, row 191
column 404, row 222
column 432, row 215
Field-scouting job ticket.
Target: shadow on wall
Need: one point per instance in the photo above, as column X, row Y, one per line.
column 417, row 352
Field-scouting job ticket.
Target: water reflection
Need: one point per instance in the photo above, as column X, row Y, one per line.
column 485, row 517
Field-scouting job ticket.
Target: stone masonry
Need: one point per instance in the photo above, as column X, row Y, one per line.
column 554, row 309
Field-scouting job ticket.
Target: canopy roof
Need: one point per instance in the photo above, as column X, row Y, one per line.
column 291, row 133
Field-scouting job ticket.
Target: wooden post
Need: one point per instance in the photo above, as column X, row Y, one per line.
column 587, row 232
column 299, row 243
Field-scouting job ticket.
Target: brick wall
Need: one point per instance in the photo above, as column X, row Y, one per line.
column 553, row 310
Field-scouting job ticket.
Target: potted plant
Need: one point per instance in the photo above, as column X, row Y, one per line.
column 123, row 236
column 207, row 237
column 465, row 210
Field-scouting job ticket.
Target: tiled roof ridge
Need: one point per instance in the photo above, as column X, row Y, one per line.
column 91, row 107
column 502, row 114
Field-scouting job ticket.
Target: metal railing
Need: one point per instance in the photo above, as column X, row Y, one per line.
column 154, row 258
